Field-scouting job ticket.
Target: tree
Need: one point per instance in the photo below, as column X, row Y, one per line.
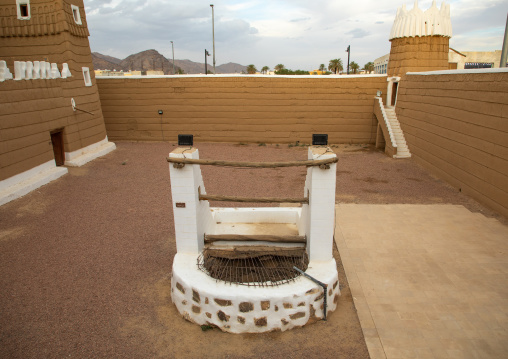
column 353, row 66
column 265, row 69
column 369, row 67
column 322, row 68
column 279, row 67
column 251, row 69
column 335, row 65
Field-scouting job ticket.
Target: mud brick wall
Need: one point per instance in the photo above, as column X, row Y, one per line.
column 274, row 109
column 425, row 53
column 456, row 125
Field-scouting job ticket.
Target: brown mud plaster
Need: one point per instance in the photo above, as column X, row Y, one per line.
column 223, row 302
column 206, row 300
column 284, row 321
column 276, row 308
column 240, row 319
column 330, row 291
column 288, row 305
column 195, row 296
column 297, row 315
column 180, row 287
column 319, row 297
column 335, row 284
column 301, row 304
column 312, row 315
column 209, row 315
column 260, row 322
column 336, row 298
column 246, row 307
column 196, row 309
column 265, row 305
column 222, row 316
column 312, row 291
column 184, row 302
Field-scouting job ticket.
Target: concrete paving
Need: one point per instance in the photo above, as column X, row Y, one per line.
column 428, row 281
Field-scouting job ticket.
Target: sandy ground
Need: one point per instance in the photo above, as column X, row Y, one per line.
column 85, row 261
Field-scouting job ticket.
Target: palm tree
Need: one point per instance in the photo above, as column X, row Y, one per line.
column 265, row 69
column 353, row 66
column 322, row 68
column 369, row 67
column 335, row 65
column 251, row 69
column 279, row 67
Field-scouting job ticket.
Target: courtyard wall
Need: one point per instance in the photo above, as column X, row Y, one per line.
column 456, row 125
column 270, row 109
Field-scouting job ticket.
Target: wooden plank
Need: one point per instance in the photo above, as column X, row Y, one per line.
column 209, row 197
column 210, row 238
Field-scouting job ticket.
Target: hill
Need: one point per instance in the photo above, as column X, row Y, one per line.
column 153, row 60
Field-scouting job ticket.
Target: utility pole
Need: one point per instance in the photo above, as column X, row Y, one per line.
column 206, row 64
column 213, row 37
column 348, row 52
column 173, row 48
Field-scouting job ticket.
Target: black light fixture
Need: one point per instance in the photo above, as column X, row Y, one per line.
column 185, row 140
column 161, row 112
column 320, row 139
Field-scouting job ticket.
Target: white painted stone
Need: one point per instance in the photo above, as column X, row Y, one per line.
column 36, row 72
column 302, row 290
column 48, row 70
column 42, row 69
column 29, row 70
column 65, row 71
column 86, row 154
column 55, row 73
column 19, row 185
column 413, row 23
column 5, row 73
column 19, row 70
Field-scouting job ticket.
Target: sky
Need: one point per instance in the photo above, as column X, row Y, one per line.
column 300, row 34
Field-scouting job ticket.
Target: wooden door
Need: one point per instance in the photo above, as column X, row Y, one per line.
column 58, row 147
column 394, row 92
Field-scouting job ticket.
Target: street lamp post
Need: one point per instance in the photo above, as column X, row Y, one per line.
column 173, row 48
column 213, row 38
column 348, row 52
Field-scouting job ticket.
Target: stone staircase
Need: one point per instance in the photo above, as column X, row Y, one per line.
column 402, row 149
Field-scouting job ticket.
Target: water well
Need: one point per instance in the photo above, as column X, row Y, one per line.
column 240, row 269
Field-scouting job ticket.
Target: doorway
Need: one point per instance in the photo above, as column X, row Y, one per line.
column 394, row 93
column 58, row 146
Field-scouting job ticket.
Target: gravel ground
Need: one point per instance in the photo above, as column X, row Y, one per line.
column 85, row 261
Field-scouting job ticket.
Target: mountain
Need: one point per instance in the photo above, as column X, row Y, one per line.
column 153, row 60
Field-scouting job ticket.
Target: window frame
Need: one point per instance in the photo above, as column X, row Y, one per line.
column 26, row 3
column 76, row 13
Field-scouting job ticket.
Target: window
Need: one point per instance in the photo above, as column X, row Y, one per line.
column 23, row 9
column 86, row 76
column 75, row 14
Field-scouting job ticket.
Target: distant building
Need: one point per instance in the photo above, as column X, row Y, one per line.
column 473, row 59
column 381, row 64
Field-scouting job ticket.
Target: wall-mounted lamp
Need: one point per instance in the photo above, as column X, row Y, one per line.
column 161, row 112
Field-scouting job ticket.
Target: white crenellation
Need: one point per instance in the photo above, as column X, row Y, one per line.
column 28, row 70
column 433, row 22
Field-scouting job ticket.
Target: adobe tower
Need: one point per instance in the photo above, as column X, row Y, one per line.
column 420, row 40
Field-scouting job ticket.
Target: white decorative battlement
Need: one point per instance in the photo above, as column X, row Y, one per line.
column 433, row 22
column 28, row 70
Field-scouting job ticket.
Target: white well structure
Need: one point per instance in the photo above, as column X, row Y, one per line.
column 238, row 307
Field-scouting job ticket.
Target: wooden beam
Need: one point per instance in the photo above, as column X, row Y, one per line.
column 210, row 238
column 307, row 163
column 211, row 197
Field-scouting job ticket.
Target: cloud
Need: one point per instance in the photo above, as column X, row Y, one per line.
column 298, row 33
column 357, row 33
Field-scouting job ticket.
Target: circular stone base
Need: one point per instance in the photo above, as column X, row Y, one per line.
column 242, row 309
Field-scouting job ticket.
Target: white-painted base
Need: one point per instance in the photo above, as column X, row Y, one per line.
column 25, row 182
column 242, row 309
column 86, row 154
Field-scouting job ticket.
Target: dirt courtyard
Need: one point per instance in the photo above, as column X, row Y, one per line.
column 85, row 261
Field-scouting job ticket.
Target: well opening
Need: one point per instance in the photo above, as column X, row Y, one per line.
column 253, row 268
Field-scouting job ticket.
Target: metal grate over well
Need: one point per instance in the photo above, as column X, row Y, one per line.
column 253, row 270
